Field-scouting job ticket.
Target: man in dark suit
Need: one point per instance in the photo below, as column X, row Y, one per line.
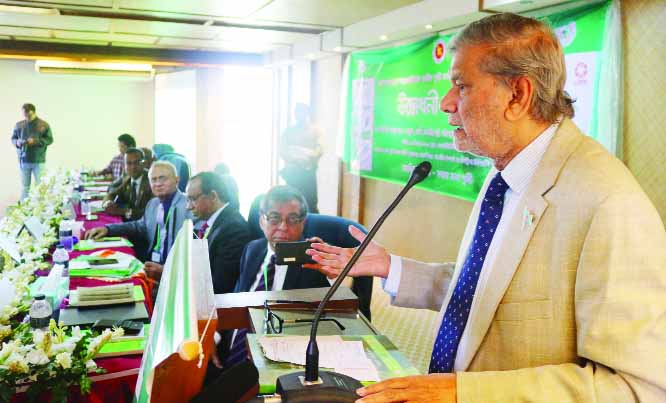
column 283, row 214
column 223, row 227
column 130, row 197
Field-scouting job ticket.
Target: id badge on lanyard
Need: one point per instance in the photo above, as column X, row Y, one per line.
column 156, row 255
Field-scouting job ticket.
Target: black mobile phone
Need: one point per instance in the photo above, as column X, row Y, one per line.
column 292, row 253
column 102, row 262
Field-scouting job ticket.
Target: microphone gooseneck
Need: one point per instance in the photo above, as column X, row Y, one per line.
column 419, row 173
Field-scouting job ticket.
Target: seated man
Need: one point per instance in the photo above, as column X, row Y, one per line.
column 283, row 213
column 130, row 197
column 115, row 167
column 161, row 221
column 165, row 152
column 223, row 227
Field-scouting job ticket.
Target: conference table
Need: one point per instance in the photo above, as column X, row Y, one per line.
column 118, row 382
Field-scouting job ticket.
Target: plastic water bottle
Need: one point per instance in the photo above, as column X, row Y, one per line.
column 85, row 206
column 65, row 235
column 61, row 257
column 40, row 312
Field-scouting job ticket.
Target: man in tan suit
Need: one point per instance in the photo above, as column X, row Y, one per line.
column 567, row 300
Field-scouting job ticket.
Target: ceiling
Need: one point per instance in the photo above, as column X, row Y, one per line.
column 248, row 26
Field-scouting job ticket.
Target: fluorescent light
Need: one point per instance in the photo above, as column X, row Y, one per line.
column 383, row 37
column 94, row 68
column 429, row 26
column 28, row 10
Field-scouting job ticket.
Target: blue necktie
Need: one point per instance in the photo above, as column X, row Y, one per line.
column 457, row 312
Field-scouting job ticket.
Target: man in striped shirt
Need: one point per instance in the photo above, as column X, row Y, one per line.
column 117, row 164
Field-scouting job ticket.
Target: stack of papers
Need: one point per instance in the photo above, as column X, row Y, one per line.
column 123, row 266
column 106, row 295
column 344, row 357
column 108, row 242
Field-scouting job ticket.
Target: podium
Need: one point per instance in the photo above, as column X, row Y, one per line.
column 246, row 310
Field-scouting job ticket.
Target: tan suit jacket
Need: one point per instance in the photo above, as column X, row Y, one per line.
column 575, row 307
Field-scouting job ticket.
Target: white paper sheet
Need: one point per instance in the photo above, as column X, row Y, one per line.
column 345, row 357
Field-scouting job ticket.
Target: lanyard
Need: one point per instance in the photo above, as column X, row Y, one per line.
column 266, row 276
column 158, row 242
column 207, row 232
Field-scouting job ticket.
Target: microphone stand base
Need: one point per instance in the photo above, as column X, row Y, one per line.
column 330, row 388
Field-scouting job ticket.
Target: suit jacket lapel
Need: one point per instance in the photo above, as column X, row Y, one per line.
column 253, row 266
column 291, row 279
column 218, row 225
column 524, row 222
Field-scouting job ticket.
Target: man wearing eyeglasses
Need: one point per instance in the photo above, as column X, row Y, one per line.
column 222, row 226
column 164, row 215
column 283, row 213
column 130, row 197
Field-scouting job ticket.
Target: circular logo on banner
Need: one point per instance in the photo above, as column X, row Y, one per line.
column 439, row 51
column 581, row 70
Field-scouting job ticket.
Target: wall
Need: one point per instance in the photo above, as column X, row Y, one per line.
column 644, row 102
column 86, row 114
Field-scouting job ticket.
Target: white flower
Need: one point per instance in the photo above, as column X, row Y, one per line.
column 38, row 336
column 8, row 348
column 16, row 363
column 5, row 330
column 37, row 357
column 91, row 365
column 76, row 333
column 66, row 346
column 64, row 360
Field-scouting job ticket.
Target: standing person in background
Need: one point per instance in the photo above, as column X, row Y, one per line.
column 300, row 149
column 31, row 136
column 116, row 165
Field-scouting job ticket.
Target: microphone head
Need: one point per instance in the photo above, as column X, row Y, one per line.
column 420, row 172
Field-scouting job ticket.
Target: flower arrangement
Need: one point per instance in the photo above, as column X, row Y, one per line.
column 52, row 359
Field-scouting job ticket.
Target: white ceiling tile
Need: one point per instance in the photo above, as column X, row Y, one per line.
column 71, row 41
column 217, row 8
column 334, row 13
column 164, row 29
column 20, row 31
column 105, row 37
column 83, row 3
column 55, row 22
column 246, row 47
column 242, row 35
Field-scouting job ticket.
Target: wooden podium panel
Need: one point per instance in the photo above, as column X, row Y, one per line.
column 232, row 308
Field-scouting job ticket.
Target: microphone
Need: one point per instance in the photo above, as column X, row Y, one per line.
column 310, row 386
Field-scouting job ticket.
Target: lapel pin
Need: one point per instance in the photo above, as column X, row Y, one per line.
column 528, row 218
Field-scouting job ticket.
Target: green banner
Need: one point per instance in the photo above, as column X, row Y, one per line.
column 393, row 120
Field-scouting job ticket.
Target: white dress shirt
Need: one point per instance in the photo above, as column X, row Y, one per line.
column 517, row 174
column 214, row 216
